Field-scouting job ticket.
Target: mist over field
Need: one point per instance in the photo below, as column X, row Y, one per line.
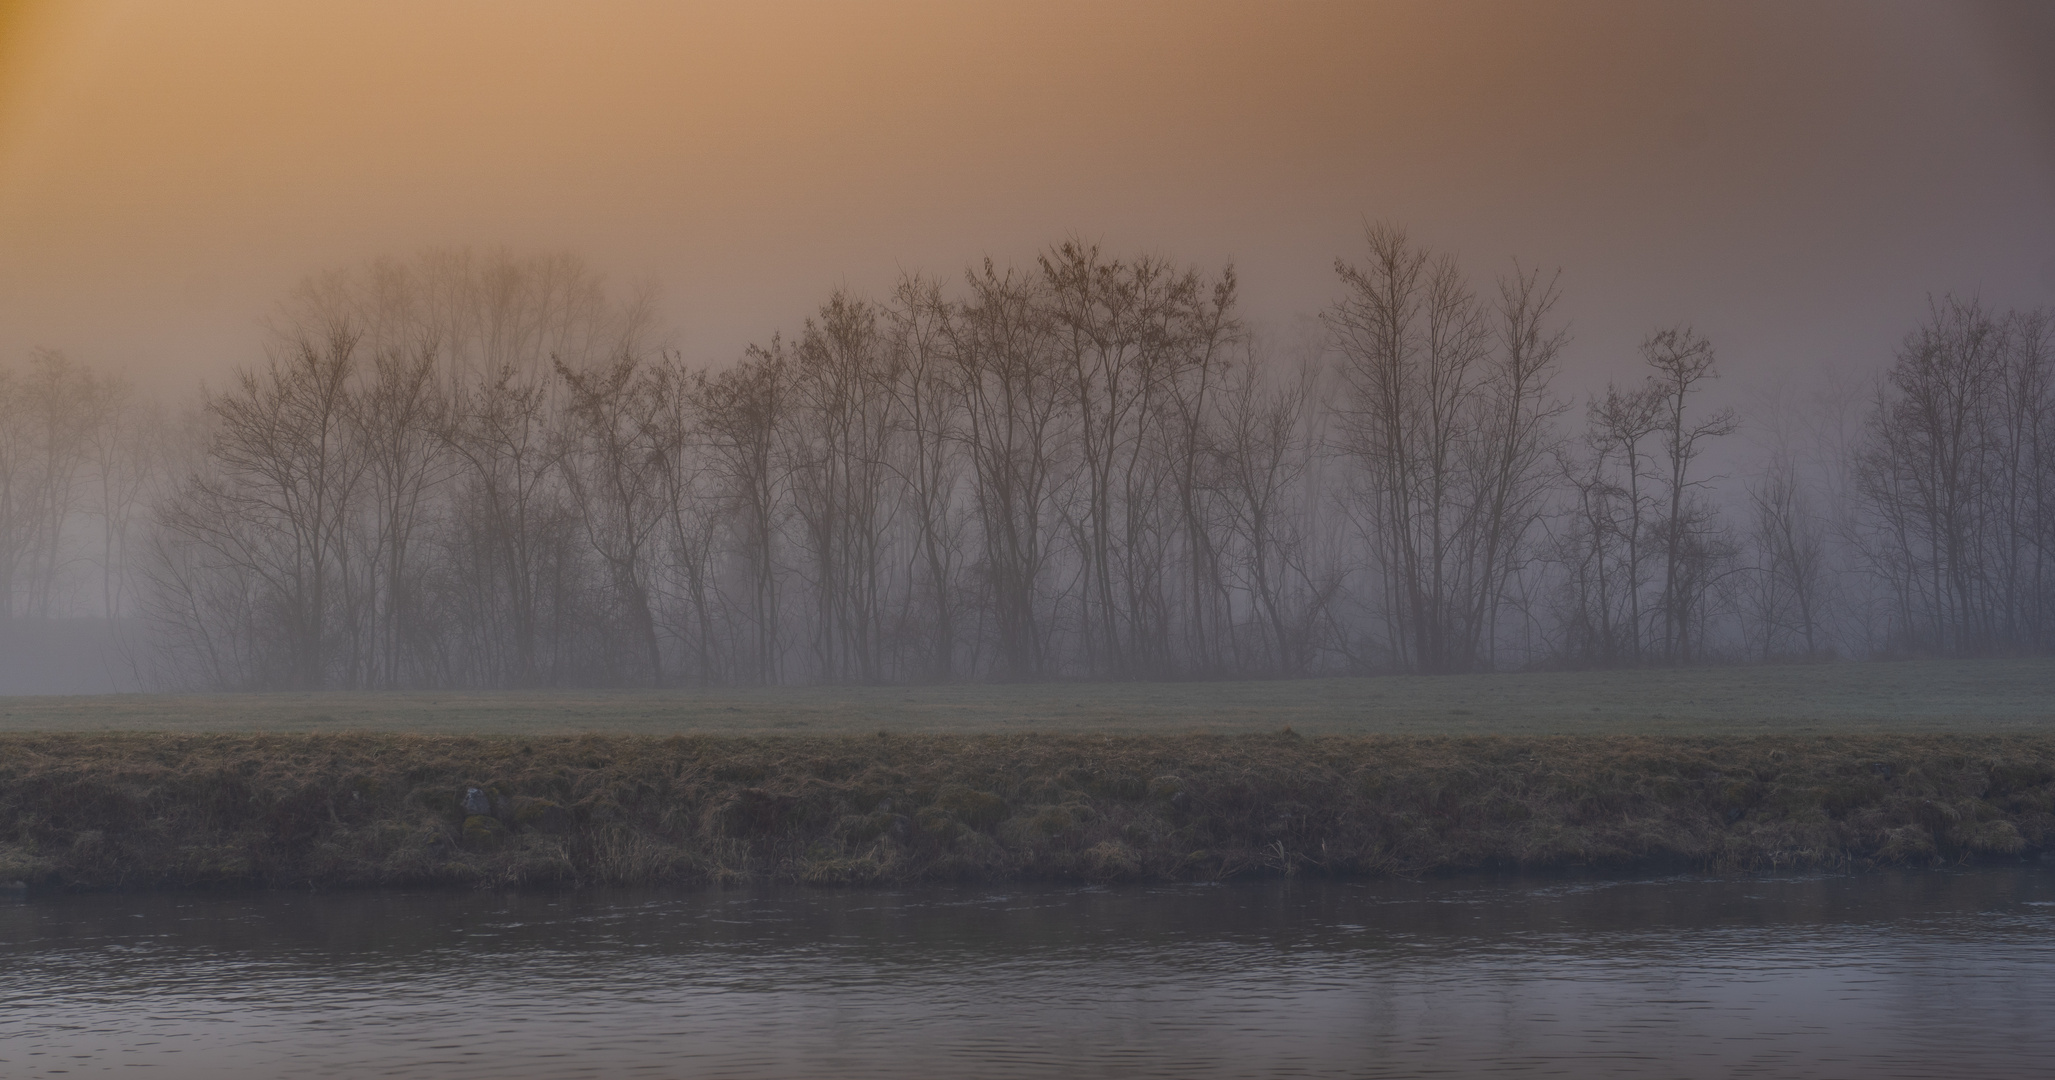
column 687, row 347
column 1159, row 538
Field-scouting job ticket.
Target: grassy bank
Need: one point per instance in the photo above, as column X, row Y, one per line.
column 159, row 810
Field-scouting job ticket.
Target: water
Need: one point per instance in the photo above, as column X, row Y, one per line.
column 1879, row 975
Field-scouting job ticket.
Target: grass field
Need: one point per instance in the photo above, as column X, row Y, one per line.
column 1980, row 696
column 1833, row 765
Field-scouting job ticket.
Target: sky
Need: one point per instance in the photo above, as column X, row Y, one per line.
column 1793, row 180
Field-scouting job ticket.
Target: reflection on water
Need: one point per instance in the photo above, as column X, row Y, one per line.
column 1918, row 974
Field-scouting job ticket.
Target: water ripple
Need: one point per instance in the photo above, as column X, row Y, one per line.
column 1806, row 976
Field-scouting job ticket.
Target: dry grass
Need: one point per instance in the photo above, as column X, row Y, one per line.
column 1825, row 765
column 1978, row 695
column 184, row 810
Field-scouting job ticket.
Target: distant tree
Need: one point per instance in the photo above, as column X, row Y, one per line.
column 274, row 509
column 843, row 448
column 617, row 451
column 930, row 414
column 1789, row 555
column 1447, row 418
column 1017, row 434
column 1953, row 479
column 1693, row 547
column 1264, row 468
column 50, row 418
column 473, row 470
column 743, row 410
column 1611, row 526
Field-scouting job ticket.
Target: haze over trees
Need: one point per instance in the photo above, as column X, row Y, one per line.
column 479, row 471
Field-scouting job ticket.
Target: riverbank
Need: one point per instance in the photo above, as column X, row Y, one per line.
column 353, row 810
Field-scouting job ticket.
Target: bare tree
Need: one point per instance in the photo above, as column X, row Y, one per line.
column 689, row 503
column 276, row 509
column 1450, row 436
column 1014, row 432
column 471, row 470
column 743, row 409
column 1954, row 485
column 930, row 413
column 842, row 445
column 1682, row 360
column 130, row 462
column 1263, row 465
column 52, row 420
column 1518, row 439
column 617, row 452
column 1790, row 564
column 500, row 432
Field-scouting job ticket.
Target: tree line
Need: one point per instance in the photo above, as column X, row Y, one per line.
column 477, row 471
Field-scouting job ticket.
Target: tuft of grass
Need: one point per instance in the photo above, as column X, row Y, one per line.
column 370, row 809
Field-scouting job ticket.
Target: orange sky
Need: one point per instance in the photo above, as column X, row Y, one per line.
column 1794, row 179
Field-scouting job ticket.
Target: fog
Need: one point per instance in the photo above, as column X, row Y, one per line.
column 1792, row 184
column 1793, row 180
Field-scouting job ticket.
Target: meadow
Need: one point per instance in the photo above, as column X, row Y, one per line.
column 1836, row 765
column 1928, row 696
